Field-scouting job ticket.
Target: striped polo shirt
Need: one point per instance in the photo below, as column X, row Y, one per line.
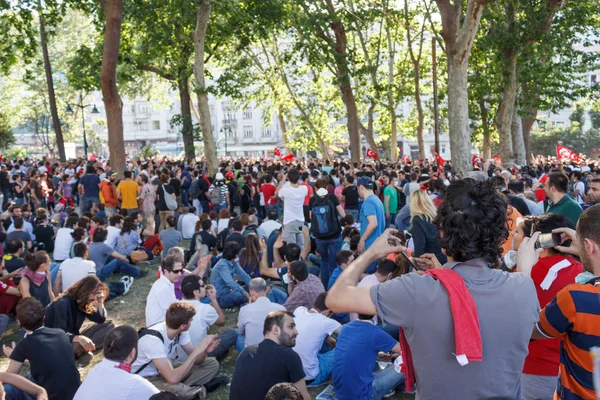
column 574, row 315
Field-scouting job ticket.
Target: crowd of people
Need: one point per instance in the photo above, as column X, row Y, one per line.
column 360, row 280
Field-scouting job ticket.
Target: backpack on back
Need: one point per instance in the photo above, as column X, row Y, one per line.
column 143, row 332
column 195, row 189
column 215, row 195
column 250, row 229
column 324, row 221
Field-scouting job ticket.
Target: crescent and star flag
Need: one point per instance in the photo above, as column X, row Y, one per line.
column 277, row 152
column 372, row 154
column 563, row 152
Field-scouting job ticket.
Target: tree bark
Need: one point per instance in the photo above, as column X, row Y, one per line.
column 60, row 141
column 202, row 18
column 368, row 132
column 527, row 123
column 283, row 127
column 113, row 12
column 420, row 115
column 187, row 130
column 506, row 109
column 517, row 139
column 390, row 94
column 458, row 38
column 487, row 134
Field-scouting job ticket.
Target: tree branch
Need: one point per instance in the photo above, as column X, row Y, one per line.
column 158, row 71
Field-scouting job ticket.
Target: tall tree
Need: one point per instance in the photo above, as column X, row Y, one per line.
column 113, row 14
column 459, row 27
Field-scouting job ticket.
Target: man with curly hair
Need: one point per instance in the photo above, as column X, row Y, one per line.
column 472, row 226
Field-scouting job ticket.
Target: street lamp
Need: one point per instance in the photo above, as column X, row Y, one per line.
column 82, row 106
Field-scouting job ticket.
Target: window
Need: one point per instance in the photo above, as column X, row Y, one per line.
column 248, row 132
column 229, row 132
column 559, row 123
column 248, row 113
column 593, row 79
column 133, row 108
column 143, row 109
column 228, row 114
column 156, row 125
column 266, row 131
column 144, row 126
column 442, row 148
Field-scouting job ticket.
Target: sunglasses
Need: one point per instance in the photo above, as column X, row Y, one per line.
column 177, row 271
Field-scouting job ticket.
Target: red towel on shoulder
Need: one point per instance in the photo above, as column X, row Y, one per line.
column 467, row 333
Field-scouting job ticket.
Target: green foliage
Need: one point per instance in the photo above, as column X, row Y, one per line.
column 148, row 152
column 544, row 139
column 16, row 153
column 578, row 115
column 6, row 135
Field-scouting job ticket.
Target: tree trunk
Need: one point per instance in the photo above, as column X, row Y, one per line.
column 487, row 134
column 113, row 12
column 202, row 17
column 187, row 131
column 60, row 142
column 420, row 115
column 283, row 127
column 527, row 123
column 353, row 122
column 506, row 109
column 517, row 139
column 368, row 133
column 458, row 37
column 391, row 101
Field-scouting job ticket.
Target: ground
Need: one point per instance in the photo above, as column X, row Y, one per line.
column 129, row 309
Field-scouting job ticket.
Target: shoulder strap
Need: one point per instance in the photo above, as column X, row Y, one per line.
column 143, row 332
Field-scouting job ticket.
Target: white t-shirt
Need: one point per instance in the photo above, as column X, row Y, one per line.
column 160, row 297
column 313, row 328
column 74, row 269
column 205, row 316
column 293, row 202
column 63, row 243
column 222, row 224
column 151, row 348
column 269, row 226
column 367, row 281
column 106, row 381
column 112, row 235
column 581, row 187
column 188, row 225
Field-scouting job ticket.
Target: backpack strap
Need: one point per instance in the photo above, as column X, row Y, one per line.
column 143, row 332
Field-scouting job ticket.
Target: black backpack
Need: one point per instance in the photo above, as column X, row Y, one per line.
column 195, row 189
column 324, row 221
column 250, row 229
column 221, row 237
column 147, row 331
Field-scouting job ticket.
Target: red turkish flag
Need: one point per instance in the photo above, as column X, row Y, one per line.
column 563, row 152
column 497, row 158
column 476, row 160
column 289, row 157
column 440, row 161
column 405, row 158
column 372, row 154
column 277, row 152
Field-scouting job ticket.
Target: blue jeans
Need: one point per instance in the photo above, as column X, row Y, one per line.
column 12, row 393
column 391, row 221
column 277, row 295
column 218, row 207
column 403, row 218
column 354, row 213
column 328, row 250
column 117, row 266
column 6, row 193
column 240, row 343
column 88, row 201
column 185, row 194
column 384, row 381
column 325, row 368
column 54, row 267
column 231, row 299
column 228, row 340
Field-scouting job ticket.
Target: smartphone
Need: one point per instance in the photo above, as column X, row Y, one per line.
column 548, row 240
column 413, row 267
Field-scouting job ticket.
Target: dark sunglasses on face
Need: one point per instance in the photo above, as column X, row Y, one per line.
column 177, row 271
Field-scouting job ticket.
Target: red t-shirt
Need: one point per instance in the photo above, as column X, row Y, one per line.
column 268, row 190
column 544, row 355
column 309, row 195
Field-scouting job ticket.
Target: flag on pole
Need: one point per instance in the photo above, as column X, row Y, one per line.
column 289, row 157
column 372, row 154
column 563, row 152
column 440, row 161
column 277, row 152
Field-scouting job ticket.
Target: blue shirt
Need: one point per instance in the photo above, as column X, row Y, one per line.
column 355, row 356
column 222, row 277
column 90, row 184
column 372, row 206
column 334, row 275
column 127, row 243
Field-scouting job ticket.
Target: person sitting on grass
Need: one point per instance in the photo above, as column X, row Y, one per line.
column 170, row 237
column 100, row 253
column 157, row 353
column 342, row 260
column 48, row 351
column 84, row 300
column 195, row 290
column 229, row 292
column 36, row 280
column 111, row 378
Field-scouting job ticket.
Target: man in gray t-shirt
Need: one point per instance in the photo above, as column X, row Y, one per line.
column 472, row 224
column 100, row 253
column 170, row 238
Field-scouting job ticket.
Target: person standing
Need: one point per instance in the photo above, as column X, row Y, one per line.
column 372, row 217
column 127, row 191
column 89, row 186
column 292, row 193
column 350, row 197
column 390, row 199
column 147, row 206
column 219, row 194
column 559, row 202
column 109, row 193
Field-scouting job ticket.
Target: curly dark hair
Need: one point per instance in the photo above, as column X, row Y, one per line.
column 472, row 221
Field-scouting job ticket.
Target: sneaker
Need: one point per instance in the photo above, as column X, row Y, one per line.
column 216, row 382
column 127, row 281
column 143, row 273
column 390, row 393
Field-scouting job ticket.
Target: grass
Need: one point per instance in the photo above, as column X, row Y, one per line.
column 130, row 310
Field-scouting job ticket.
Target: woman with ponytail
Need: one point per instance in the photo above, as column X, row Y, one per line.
column 36, row 278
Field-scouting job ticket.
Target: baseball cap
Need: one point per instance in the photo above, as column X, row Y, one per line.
column 229, row 174
column 366, row 182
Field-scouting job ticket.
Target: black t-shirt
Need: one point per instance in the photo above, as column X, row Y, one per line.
column 18, row 195
column 350, row 194
column 236, row 237
column 50, row 354
column 208, row 239
column 204, row 186
column 4, row 181
column 162, row 205
column 45, row 234
column 176, row 184
column 261, row 366
column 519, row 204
